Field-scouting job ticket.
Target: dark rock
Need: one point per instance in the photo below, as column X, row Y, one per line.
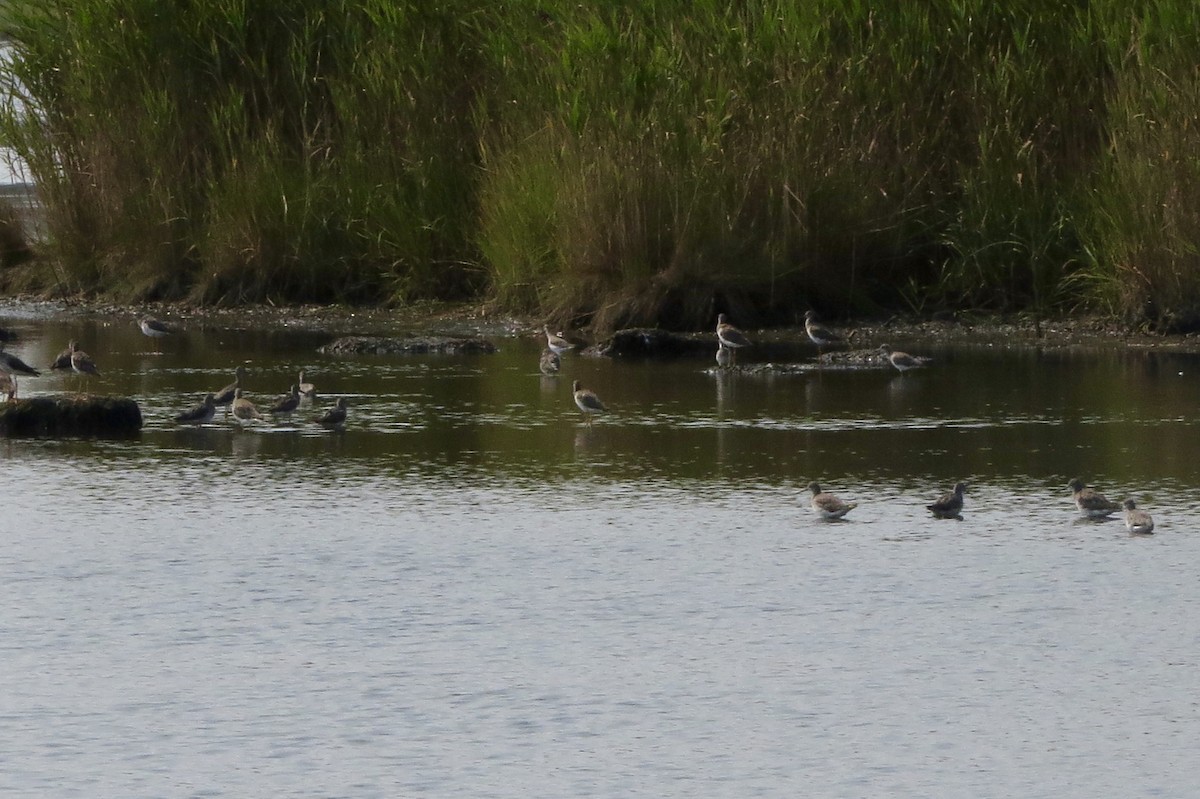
column 105, row 417
column 648, row 342
column 408, row 345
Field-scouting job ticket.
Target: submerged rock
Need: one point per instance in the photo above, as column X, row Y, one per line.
column 408, row 345
column 70, row 416
column 650, row 342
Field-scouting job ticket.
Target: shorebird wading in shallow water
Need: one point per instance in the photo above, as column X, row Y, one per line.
column 827, row 505
column 154, row 329
column 730, row 338
column 1090, row 502
column 550, row 363
column 586, row 401
column 226, row 395
column 81, row 362
column 288, row 403
column 555, row 342
column 307, row 390
column 11, row 363
column 819, row 334
column 201, row 414
column 902, row 360
column 243, row 409
column 335, row 416
column 63, row 359
column 949, row 505
column 1137, row 521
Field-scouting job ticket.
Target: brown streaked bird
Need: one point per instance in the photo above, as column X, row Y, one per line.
column 950, row 505
column 226, row 395
column 730, row 337
column 82, row 363
column 550, row 363
column 1090, row 502
column 335, row 416
column 819, row 334
column 201, row 414
column 586, row 401
column 287, row 404
column 556, row 342
column 827, row 505
column 307, row 390
column 243, row 409
column 1137, row 521
column 902, row 360
column 154, row 329
column 63, row 359
column 8, row 385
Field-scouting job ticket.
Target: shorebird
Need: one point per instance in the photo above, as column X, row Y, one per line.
column 335, row 416
column 724, row 356
column 11, row 363
column 557, row 344
column 1090, row 502
column 550, row 363
column 819, row 334
column 587, row 401
column 949, row 505
column 8, row 385
column 1137, row 521
column 154, row 329
column 288, row 403
column 730, row 337
column 226, row 395
column 82, row 363
column 827, row 505
column 307, row 390
column 201, row 414
column 63, row 359
column 243, row 409
column 902, row 360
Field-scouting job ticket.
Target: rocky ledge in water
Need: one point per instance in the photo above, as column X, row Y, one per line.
column 70, row 416
column 843, row 360
column 408, row 345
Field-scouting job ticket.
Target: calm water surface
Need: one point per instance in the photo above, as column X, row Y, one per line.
column 469, row 593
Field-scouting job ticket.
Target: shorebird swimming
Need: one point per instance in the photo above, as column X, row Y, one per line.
column 154, row 329
column 335, row 416
column 724, row 356
column 827, row 505
column 819, row 334
column 555, row 342
column 243, row 409
column 226, row 395
column 307, row 390
column 11, row 363
column 902, row 360
column 550, row 363
column 286, row 404
column 1090, row 502
column 201, row 414
column 730, row 337
column 1137, row 521
column 586, row 401
column 950, row 505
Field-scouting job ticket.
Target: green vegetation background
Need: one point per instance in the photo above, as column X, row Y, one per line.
column 625, row 163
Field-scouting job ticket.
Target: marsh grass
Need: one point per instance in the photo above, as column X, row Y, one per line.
column 650, row 162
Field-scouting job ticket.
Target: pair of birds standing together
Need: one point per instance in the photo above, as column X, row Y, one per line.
column 242, row 409
column 829, row 506
column 1094, row 505
column 551, row 362
column 730, row 339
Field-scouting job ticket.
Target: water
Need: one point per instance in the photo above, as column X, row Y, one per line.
column 469, row 593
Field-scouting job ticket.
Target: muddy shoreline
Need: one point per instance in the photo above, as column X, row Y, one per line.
column 476, row 320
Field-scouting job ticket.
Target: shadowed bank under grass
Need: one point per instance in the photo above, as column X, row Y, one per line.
column 653, row 162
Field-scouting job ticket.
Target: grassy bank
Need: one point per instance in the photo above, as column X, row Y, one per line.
column 655, row 162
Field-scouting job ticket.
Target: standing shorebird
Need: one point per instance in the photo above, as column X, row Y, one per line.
column 902, row 360
column 201, row 414
column 950, row 505
column 555, row 341
column 287, row 404
column 63, row 359
column 335, row 416
column 730, row 337
column 154, row 329
column 8, row 385
column 243, row 409
column 819, row 334
column 1090, row 502
column 11, row 363
column 1137, row 521
column 724, row 356
column 82, row 363
column 587, row 401
column 226, row 395
column 307, row 390
column 550, row 363
column 827, row 505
